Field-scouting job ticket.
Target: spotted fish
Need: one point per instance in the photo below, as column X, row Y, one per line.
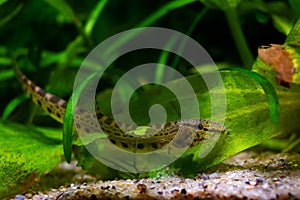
column 182, row 132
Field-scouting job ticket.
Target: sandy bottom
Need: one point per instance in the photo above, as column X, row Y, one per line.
column 247, row 175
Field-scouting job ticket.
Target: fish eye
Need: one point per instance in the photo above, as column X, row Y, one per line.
column 200, row 127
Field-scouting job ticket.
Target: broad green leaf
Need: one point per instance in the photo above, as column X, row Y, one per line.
column 247, row 120
column 293, row 43
column 295, row 57
column 26, row 153
column 293, row 39
column 268, row 89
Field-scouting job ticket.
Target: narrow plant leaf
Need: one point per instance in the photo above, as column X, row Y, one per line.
column 68, row 127
column 159, row 13
column 2, row 2
column 70, row 16
column 94, row 15
column 68, row 130
column 163, row 10
column 165, row 54
column 7, row 18
column 4, row 61
column 6, row 74
column 63, row 8
column 12, row 105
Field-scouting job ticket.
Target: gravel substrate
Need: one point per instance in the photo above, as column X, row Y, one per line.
column 265, row 176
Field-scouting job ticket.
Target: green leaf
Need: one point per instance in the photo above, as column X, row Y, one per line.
column 63, row 8
column 2, row 2
column 68, row 130
column 6, row 74
column 295, row 58
column 248, row 120
column 26, row 153
column 278, row 11
column 163, row 10
column 268, row 89
column 6, row 19
column 159, row 13
column 282, row 17
column 94, row 15
column 293, row 39
column 295, row 6
column 221, row 4
column 165, row 54
column 12, row 105
column 69, row 117
column 67, row 11
column 229, row 7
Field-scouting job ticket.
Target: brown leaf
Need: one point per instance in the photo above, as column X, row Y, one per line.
column 281, row 59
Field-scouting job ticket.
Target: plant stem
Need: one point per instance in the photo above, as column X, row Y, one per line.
column 238, row 37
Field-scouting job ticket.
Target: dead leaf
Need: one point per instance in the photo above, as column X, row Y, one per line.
column 281, row 59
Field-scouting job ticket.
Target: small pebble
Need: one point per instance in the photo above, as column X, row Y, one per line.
column 183, row 191
column 19, row 197
column 142, row 188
